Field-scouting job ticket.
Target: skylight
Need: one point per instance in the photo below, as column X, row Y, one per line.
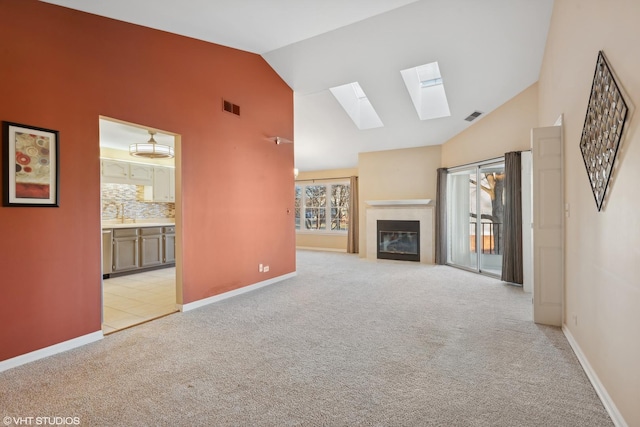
column 426, row 89
column 357, row 105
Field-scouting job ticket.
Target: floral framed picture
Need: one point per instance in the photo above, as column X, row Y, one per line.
column 30, row 165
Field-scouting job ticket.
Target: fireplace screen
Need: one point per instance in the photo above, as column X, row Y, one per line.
column 399, row 240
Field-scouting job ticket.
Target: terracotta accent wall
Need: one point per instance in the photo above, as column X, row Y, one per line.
column 61, row 69
column 602, row 268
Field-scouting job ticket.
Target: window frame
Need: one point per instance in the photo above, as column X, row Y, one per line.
column 328, row 184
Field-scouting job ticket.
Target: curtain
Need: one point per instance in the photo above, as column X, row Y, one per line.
column 512, row 228
column 353, row 236
column 441, row 217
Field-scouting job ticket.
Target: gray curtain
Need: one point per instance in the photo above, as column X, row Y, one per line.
column 353, row 236
column 512, row 227
column 441, row 217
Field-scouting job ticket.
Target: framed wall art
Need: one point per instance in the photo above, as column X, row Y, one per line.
column 602, row 130
column 30, row 165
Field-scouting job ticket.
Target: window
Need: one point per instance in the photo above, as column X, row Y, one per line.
column 356, row 104
column 322, row 207
column 426, row 89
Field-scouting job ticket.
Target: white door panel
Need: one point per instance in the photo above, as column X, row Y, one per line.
column 548, row 225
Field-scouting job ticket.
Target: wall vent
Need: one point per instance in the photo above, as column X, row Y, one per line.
column 231, row 107
column 471, row 117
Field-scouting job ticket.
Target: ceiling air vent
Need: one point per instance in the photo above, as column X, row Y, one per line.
column 471, row 117
column 231, row 107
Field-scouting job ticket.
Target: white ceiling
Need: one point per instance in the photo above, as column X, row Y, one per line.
column 119, row 135
column 488, row 51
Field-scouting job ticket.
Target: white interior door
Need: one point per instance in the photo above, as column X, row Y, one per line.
column 527, row 228
column 548, row 225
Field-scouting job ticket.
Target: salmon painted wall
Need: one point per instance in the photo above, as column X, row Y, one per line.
column 61, row 69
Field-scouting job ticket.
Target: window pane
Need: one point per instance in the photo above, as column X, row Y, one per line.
column 297, row 205
column 315, row 207
column 339, row 207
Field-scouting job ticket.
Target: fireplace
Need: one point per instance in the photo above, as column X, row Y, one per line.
column 398, row 240
column 419, row 211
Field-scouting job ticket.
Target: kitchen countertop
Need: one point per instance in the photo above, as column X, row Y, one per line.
column 107, row 224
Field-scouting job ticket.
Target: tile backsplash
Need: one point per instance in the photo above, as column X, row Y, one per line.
column 126, row 200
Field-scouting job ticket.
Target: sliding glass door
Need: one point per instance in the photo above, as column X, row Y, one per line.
column 475, row 212
column 460, row 211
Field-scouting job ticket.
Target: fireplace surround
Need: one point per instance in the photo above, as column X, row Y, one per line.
column 420, row 210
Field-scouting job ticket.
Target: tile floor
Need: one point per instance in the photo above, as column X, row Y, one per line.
column 137, row 298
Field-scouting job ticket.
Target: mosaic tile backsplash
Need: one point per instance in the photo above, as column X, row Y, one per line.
column 120, row 200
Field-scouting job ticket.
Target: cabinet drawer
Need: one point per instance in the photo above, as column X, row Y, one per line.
column 149, row 231
column 169, row 230
column 125, row 232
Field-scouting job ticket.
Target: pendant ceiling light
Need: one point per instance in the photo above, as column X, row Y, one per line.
column 151, row 149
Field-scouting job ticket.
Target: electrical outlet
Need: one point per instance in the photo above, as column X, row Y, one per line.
column 266, row 268
column 260, row 268
column 574, row 318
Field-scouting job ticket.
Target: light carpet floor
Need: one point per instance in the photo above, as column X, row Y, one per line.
column 347, row 342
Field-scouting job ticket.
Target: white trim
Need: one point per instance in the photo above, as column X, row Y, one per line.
column 403, row 202
column 611, row 408
column 338, row 233
column 50, row 351
column 206, row 301
column 315, row 248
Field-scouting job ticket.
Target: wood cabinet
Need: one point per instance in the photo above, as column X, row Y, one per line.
column 164, row 184
column 169, row 238
column 114, row 171
column 151, row 246
column 125, row 249
column 139, row 248
column 140, row 174
column 172, row 185
column 163, row 189
column 120, row 172
column 107, row 247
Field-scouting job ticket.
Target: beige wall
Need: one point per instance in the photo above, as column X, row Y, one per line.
column 505, row 129
column 396, row 174
column 602, row 248
column 323, row 241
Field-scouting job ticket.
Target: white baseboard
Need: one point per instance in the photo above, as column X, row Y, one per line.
column 50, row 351
column 206, row 301
column 611, row 408
column 314, row 248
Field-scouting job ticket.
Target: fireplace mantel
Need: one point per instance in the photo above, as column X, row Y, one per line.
column 403, row 202
column 403, row 209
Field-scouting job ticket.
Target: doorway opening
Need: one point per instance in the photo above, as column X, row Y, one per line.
column 139, row 227
column 475, row 198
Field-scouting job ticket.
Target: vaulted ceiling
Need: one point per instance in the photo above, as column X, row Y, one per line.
column 488, row 51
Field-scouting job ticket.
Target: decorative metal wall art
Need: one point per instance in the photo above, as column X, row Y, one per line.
column 603, row 125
